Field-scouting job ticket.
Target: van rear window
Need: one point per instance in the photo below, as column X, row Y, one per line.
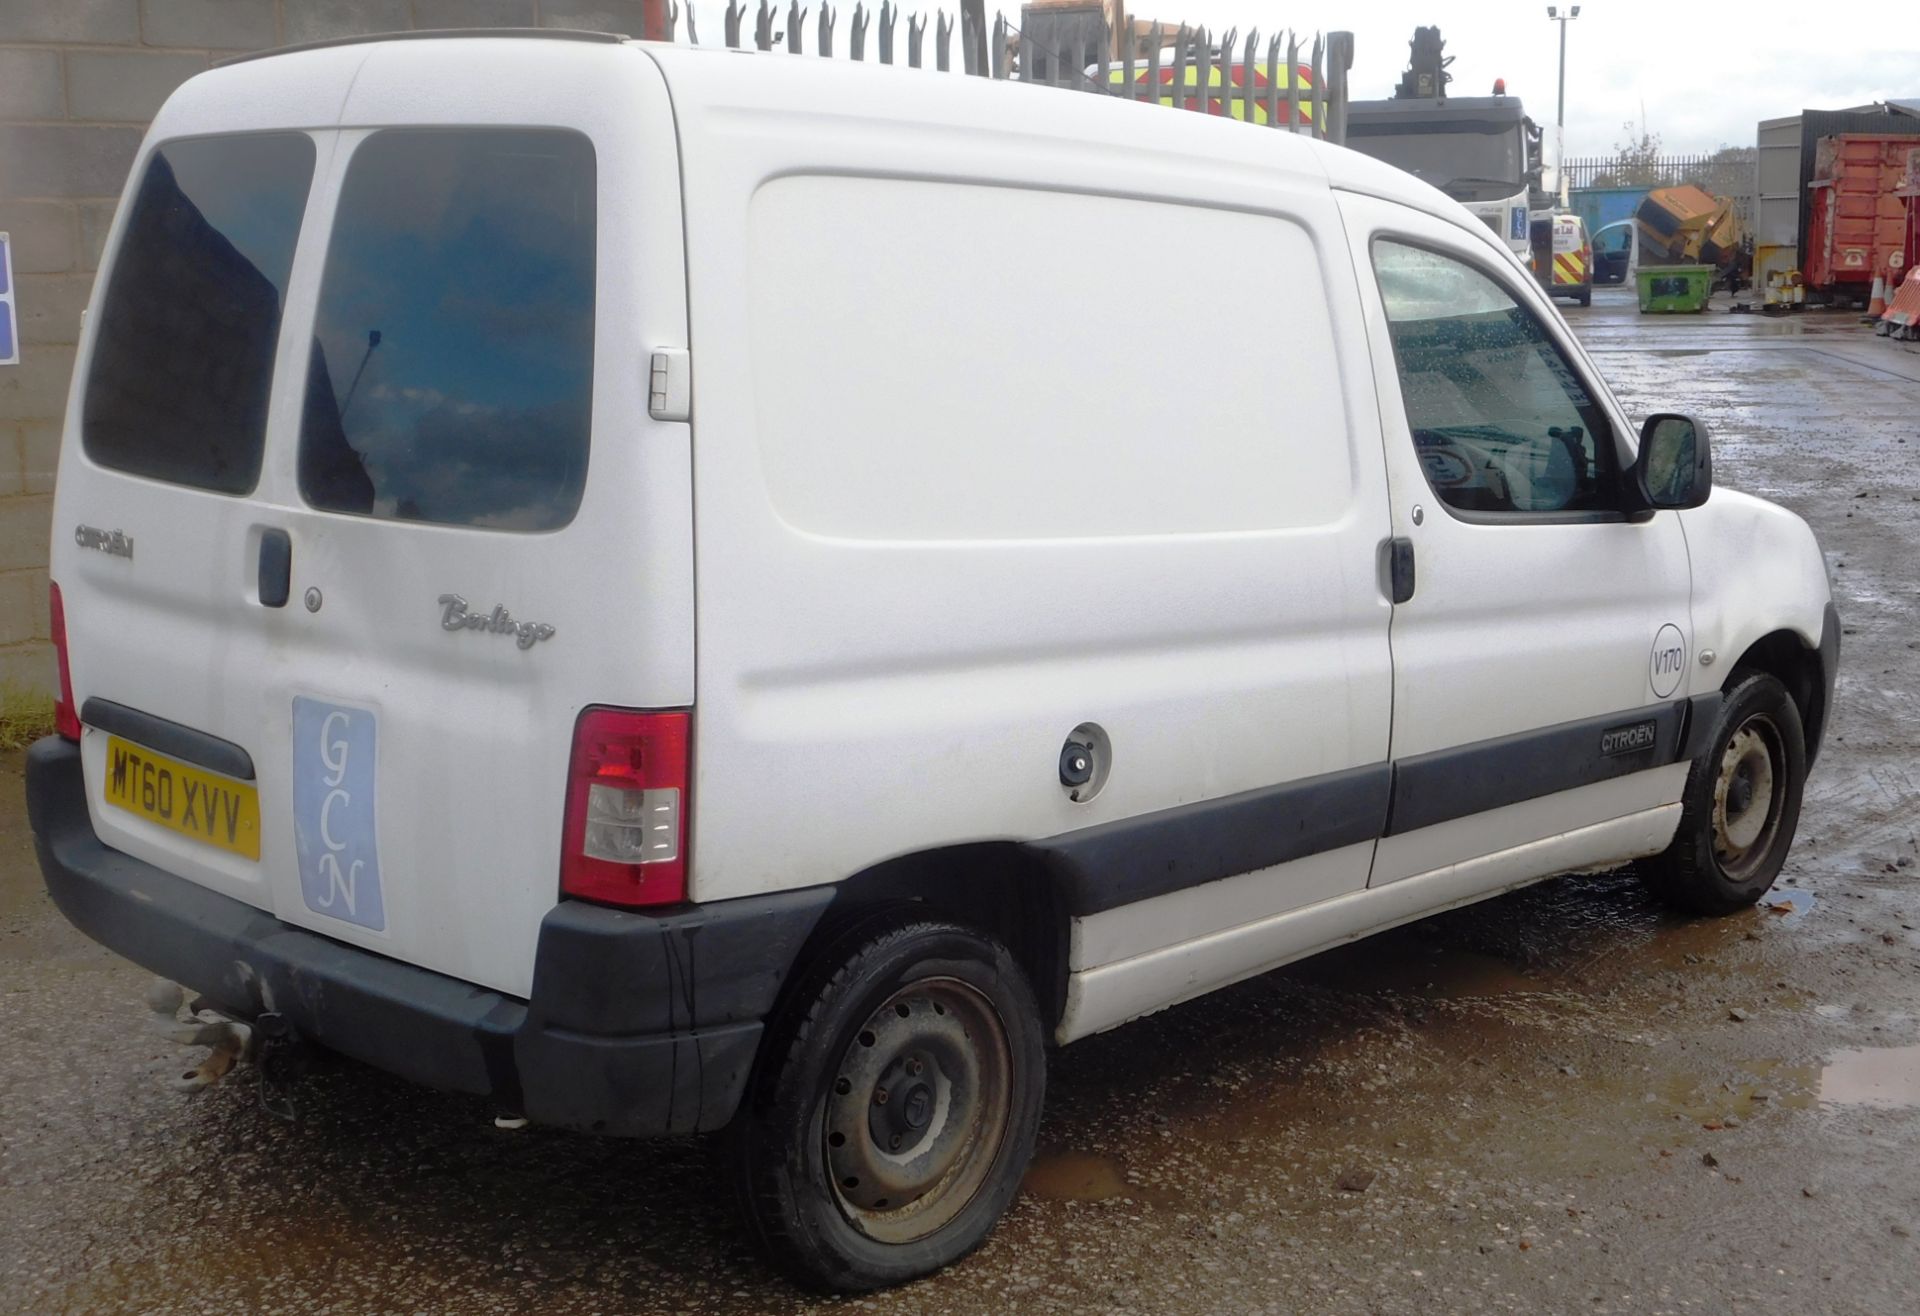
column 452, row 363
column 183, row 357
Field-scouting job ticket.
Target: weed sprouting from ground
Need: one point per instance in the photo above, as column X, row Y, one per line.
column 25, row 715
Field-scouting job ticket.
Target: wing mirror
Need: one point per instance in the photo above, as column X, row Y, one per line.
column 1675, row 467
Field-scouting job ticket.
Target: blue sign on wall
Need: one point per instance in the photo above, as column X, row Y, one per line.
column 9, row 323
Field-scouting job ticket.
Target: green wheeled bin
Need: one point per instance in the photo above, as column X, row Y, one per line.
column 1674, row 289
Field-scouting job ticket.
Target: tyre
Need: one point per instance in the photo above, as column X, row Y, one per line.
column 894, row 1107
column 1586, row 296
column 1741, row 806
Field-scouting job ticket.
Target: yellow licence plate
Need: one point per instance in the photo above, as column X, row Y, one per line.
column 203, row 805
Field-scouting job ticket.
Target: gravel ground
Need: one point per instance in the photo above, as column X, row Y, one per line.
column 1563, row 1100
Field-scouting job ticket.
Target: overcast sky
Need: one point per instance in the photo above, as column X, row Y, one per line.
column 1705, row 74
column 1704, row 83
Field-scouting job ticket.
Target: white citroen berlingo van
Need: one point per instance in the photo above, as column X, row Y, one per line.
column 678, row 591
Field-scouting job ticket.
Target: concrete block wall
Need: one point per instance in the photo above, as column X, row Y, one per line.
column 79, row 82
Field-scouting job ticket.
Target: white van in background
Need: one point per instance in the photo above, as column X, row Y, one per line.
column 1563, row 257
column 673, row 591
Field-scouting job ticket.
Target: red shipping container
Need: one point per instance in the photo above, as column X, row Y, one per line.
column 1856, row 225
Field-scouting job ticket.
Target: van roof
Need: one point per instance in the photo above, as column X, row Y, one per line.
column 721, row 77
column 321, row 72
column 429, row 34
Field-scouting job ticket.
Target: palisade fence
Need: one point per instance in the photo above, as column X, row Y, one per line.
column 1286, row 82
column 1722, row 175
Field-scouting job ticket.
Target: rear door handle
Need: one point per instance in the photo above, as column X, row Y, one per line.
column 1400, row 568
column 276, row 568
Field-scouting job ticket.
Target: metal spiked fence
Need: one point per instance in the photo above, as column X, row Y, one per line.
column 1727, row 173
column 1258, row 82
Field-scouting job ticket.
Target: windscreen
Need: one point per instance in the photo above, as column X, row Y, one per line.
column 1468, row 161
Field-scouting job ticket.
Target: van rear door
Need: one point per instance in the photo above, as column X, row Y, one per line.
column 340, row 401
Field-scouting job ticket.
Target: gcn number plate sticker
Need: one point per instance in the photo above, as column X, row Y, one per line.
column 333, row 822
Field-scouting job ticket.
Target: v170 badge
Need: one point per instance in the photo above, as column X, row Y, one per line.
column 1668, row 661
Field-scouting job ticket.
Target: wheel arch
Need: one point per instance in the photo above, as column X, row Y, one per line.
column 1762, row 599
column 997, row 887
column 1804, row 669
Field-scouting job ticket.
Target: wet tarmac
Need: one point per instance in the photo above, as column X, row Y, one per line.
column 1565, row 1100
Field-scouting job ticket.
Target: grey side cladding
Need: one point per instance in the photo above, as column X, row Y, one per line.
column 1117, row 863
column 1114, row 864
column 1453, row 783
column 1829, row 670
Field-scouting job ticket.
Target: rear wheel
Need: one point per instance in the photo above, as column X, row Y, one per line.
column 895, row 1106
column 1586, row 296
column 1741, row 806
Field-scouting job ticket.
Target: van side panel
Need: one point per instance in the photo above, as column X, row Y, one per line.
column 908, row 391
column 998, row 434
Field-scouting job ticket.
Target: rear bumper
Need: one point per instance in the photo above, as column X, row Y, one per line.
column 638, row 1024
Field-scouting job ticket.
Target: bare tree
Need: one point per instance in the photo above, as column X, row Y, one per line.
column 1636, row 161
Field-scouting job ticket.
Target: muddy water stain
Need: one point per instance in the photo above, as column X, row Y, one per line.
column 1440, row 972
column 1887, row 1077
column 1072, row 1176
column 1597, row 1109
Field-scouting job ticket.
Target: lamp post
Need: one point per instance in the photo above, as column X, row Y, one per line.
column 1560, row 115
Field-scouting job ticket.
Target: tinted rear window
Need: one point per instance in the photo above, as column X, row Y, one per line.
column 183, row 359
column 452, row 360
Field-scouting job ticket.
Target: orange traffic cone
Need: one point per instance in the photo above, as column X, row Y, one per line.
column 1877, row 305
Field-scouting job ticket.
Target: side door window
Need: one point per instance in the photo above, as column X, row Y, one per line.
column 1503, row 425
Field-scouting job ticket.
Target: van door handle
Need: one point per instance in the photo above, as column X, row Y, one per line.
column 276, row 568
column 1400, row 567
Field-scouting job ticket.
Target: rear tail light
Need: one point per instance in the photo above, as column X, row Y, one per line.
column 66, row 718
column 626, row 830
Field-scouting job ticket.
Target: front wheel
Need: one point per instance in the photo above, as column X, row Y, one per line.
column 895, row 1106
column 1741, row 806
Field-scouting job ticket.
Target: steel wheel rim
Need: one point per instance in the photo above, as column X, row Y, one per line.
column 1747, row 795
column 918, row 1109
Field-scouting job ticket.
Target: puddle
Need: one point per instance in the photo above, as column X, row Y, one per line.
column 1887, row 1077
column 1755, row 1087
column 1075, row 1177
column 1682, row 946
column 1788, row 903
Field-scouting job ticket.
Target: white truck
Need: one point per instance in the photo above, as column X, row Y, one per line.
column 673, row 591
column 1483, row 151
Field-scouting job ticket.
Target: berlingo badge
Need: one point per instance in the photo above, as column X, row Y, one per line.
column 456, row 616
